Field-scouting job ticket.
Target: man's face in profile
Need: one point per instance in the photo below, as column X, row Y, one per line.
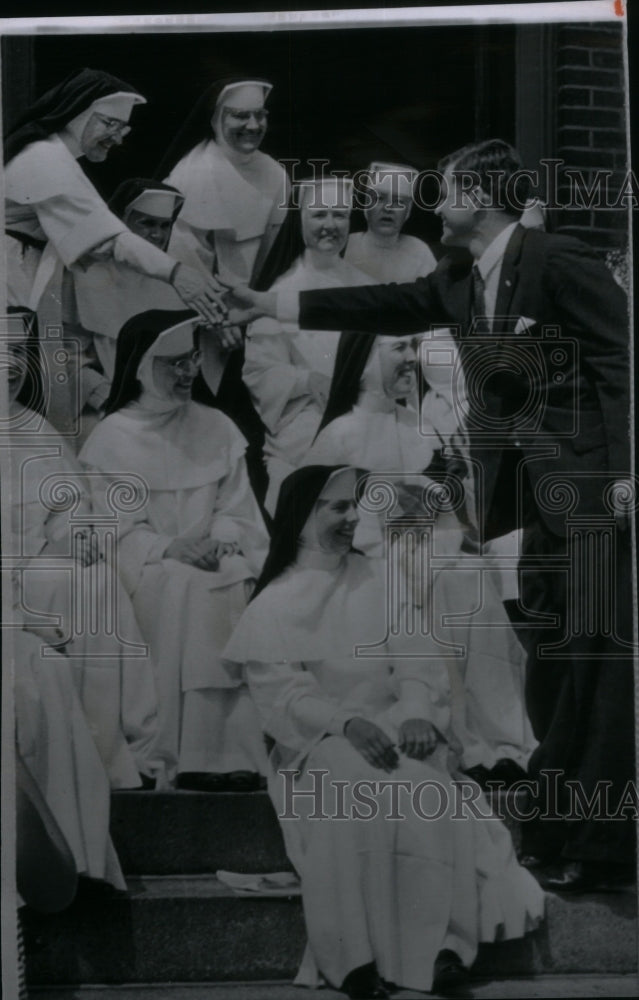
column 457, row 209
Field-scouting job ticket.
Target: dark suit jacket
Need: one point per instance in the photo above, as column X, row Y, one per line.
column 550, row 383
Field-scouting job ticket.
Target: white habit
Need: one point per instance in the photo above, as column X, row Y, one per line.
column 277, row 366
column 191, row 460
column 392, row 892
column 111, row 667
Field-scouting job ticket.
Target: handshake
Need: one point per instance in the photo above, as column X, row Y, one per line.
column 240, row 305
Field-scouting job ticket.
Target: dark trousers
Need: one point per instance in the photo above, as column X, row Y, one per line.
column 580, row 694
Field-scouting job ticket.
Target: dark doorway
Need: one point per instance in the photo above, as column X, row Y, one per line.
column 346, row 95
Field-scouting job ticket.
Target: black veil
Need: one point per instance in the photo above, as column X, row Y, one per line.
column 60, row 105
column 197, row 126
column 298, row 495
column 132, row 188
column 135, row 338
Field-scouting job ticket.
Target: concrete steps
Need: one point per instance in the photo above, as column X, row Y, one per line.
column 178, row 924
column 193, row 929
column 185, row 833
column 523, row 988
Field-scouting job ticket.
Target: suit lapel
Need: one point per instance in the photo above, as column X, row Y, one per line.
column 508, row 280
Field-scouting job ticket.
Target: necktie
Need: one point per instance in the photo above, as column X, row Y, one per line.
column 482, row 323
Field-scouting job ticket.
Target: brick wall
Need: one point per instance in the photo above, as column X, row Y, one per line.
column 591, row 128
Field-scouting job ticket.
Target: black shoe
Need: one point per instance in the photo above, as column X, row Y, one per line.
column 583, row 876
column 449, row 974
column 364, row 984
column 148, row 783
column 533, row 862
column 508, row 772
column 93, row 890
column 202, row 781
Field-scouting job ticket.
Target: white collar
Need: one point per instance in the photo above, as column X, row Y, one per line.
column 494, row 252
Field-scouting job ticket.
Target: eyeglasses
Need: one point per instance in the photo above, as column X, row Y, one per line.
column 259, row 114
column 183, row 366
column 114, row 126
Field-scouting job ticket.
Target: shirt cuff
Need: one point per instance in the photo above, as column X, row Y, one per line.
column 288, row 308
column 337, row 722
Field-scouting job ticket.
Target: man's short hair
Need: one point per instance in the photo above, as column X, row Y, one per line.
column 496, row 168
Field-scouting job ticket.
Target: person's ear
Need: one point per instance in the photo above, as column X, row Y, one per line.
column 481, row 198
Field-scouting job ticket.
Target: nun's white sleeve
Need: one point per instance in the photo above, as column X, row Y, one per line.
column 272, row 379
column 74, row 218
column 137, row 543
column 423, row 691
column 333, row 445
column 78, row 225
column 292, row 708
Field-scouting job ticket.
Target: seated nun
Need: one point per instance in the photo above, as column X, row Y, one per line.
column 383, row 252
column 66, row 579
column 189, row 551
column 288, row 370
column 404, row 901
column 60, row 755
column 372, row 419
column 108, row 292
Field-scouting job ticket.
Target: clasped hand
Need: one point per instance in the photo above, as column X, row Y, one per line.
column 417, row 739
column 85, row 549
column 205, row 553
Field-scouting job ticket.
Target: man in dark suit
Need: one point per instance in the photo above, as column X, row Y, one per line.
column 543, row 334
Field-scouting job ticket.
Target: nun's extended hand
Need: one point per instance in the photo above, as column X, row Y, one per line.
column 246, row 305
column 229, row 338
column 372, row 742
column 417, row 738
column 205, row 553
column 202, row 293
column 84, row 549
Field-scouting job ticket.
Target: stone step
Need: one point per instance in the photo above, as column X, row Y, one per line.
column 188, row 833
column 185, row 833
column 193, row 929
column 524, row 988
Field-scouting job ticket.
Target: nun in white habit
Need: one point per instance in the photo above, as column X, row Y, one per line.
column 235, row 195
column 65, row 583
column 54, row 215
column 372, row 419
column 56, row 746
column 107, row 292
column 189, row 553
column 403, row 901
column 383, row 252
column 288, row 370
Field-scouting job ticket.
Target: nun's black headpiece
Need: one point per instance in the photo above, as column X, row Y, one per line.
column 60, row 105
column 353, row 351
column 289, row 242
column 197, row 126
column 134, row 340
column 298, row 495
column 129, row 190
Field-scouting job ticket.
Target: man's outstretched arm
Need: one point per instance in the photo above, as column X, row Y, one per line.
column 400, row 309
